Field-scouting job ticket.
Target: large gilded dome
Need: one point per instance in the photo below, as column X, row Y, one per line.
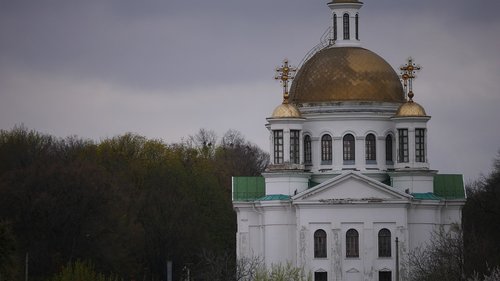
column 346, row 74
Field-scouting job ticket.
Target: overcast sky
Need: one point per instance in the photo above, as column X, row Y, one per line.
column 166, row 68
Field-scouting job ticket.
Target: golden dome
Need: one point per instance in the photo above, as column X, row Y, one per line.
column 286, row 110
column 346, row 74
column 410, row 109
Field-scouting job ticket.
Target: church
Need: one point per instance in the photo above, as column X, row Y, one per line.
column 349, row 190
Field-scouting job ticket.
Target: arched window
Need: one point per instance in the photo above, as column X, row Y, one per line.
column 349, row 146
column 346, row 26
column 388, row 150
column 326, row 149
column 384, row 243
column 335, row 27
column 352, row 243
column 370, row 149
column 320, row 243
column 357, row 26
column 307, row 150
column 294, row 146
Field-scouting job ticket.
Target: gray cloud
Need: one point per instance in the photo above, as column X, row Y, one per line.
column 164, row 69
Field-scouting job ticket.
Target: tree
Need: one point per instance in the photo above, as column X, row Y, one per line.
column 59, row 201
column 7, row 249
column 440, row 259
column 481, row 223
column 227, row 268
column 238, row 157
column 494, row 275
column 279, row 272
column 128, row 204
column 204, row 142
column 81, row 271
column 216, row 266
column 453, row 256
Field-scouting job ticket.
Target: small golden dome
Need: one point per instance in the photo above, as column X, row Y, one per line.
column 346, row 74
column 410, row 109
column 286, row 110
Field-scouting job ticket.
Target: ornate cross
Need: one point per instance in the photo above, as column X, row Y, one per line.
column 285, row 73
column 407, row 75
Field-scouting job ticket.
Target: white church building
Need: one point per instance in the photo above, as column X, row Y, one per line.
column 349, row 190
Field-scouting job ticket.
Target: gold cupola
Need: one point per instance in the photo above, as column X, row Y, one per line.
column 285, row 109
column 410, row 108
column 285, row 126
column 346, row 74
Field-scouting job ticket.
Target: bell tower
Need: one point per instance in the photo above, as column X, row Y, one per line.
column 345, row 22
column 412, row 166
column 285, row 175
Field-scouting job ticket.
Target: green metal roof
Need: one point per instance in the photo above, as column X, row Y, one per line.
column 272, row 197
column 312, row 184
column 446, row 186
column 426, row 196
column 248, row 188
column 449, row 186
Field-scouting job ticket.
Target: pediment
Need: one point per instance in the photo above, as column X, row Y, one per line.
column 351, row 186
column 353, row 270
column 320, row 270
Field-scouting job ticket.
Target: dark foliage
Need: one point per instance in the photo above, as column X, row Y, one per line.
column 128, row 204
column 470, row 253
column 481, row 223
column 440, row 259
column 7, row 250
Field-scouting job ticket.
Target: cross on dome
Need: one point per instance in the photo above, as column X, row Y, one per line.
column 285, row 73
column 407, row 75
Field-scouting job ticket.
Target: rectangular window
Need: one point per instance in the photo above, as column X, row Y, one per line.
column 278, row 146
column 403, row 145
column 294, row 147
column 320, row 276
column 384, row 276
column 419, row 145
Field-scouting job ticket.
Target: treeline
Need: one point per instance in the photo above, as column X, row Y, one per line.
column 469, row 253
column 481, row 223
column 127, row 204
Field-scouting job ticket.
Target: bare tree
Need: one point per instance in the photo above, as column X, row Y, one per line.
column 205, row 141
column 441, row 259
column 494, row 275
column 247, row 268
column 280, row 272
